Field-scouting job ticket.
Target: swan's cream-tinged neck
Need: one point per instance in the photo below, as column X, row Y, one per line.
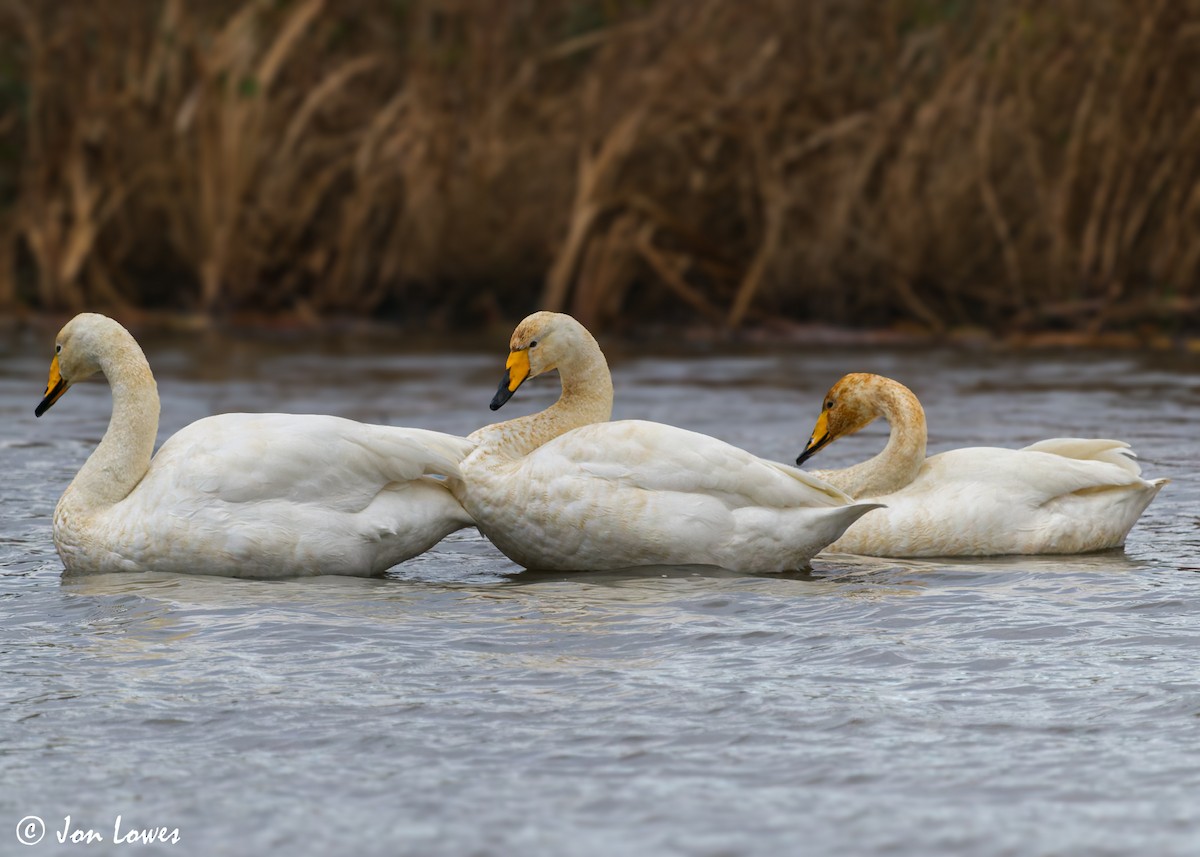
column 123, row 455
column 902, row 458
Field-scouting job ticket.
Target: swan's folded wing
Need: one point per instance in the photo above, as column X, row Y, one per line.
column 1090, row 449
column 656, row 457
column 1028, row 476
column 338, row 463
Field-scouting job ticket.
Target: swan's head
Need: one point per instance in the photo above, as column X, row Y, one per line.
column 77, row 350
column 543, row 341
column 851, row 403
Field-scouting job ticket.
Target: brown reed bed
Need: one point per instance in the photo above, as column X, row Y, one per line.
column 1016, row 164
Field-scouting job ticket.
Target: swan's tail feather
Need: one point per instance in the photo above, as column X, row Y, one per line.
column 835, row 522
column 442, row 463
column 409, row 453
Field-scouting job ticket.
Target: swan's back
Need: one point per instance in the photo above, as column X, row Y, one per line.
column 309, row 458
column 648, row 456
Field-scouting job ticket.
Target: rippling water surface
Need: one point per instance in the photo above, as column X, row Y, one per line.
column 1009, row 706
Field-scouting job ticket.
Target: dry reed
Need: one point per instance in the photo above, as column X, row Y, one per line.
column 1012, row 164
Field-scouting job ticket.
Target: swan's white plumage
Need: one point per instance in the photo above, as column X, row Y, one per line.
column 623, row 494
column 261, row 495
column 1057, row 496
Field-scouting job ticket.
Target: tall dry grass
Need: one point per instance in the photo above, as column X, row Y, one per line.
column 1015, row 163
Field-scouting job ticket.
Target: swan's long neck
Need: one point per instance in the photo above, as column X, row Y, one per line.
column 901, row 459
column 121, row 460
column 587, row 397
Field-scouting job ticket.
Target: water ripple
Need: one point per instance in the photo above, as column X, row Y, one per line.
column 462, row 706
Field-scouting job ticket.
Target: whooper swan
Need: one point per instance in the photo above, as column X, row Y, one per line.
column 1059, row 496
column 245, row 495
column 564, row 490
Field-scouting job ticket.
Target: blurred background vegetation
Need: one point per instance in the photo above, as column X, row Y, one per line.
column 944, row 164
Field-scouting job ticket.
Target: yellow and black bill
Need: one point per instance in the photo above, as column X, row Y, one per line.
column 516, row 370
column 55, row 387
column 818, row 440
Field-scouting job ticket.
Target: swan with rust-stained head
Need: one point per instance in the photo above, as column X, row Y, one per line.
column 565, row 490
column 1058, row 496
column 246, row 495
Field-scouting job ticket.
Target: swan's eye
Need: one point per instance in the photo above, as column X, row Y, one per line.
column 58, row 349
column 533, row 344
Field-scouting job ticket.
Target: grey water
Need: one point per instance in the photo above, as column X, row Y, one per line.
column 460, row 706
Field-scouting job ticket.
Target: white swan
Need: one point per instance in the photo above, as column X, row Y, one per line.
column 1065, row 495
column 247, row 495
column 563, row 490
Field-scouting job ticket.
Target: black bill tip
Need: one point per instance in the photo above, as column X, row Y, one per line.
column 503, row 394
column 811, row 450
column 52, row 396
